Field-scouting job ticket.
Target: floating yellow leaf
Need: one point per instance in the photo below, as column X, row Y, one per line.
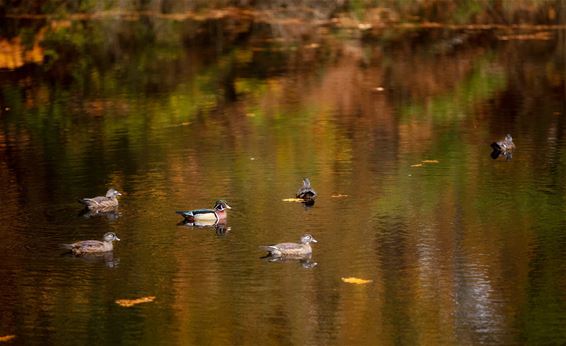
column 339, row 196
column 429, row 161
column 417, row 165
column 6, row 338
column 357, row 281
column 131, row 302
column 293, row 200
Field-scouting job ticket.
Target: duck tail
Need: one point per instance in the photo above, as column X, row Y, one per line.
column 66, row 246
column 185, row 214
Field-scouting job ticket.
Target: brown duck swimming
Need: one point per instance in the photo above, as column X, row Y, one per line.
column 93, row 246
column 292, row 249
column 102, row 202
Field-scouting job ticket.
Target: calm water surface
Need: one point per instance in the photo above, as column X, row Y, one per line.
column 461, row 249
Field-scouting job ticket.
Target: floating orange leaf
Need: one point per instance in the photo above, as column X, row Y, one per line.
column 417, row 165
column 539, row 36
column 429, row 161
column 131, row 302
column 293, row 200
column 357, row 281
column 339, row 196
column 6, row 338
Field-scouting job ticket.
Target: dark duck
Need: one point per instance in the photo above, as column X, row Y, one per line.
column 217, row 213
column 503, row 147
column 102, row 202
column 306, row 192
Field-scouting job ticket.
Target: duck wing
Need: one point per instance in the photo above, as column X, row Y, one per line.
column 87, row 246
column 192, row 213
column 99, row 202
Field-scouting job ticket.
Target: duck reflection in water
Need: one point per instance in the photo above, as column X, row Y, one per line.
column 111, row 214
column 220, row 226
column 305, row 260
column 104, row 257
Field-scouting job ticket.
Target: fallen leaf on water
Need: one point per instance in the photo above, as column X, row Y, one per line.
column 339, row 196
column 539, row 36
column 131, row 302
column 357, row 281
column 6, row 338
column 429, row 161
column 293, row 200
column 417, row 165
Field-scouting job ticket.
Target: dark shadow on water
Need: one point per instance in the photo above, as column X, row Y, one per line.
column 308, row 203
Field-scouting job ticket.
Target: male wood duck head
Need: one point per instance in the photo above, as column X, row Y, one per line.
column 93, row 246
column 292, row 249
column 102, row 202
column 306, row 192
column 218, row 212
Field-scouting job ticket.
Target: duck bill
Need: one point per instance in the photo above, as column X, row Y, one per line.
column 314, row 240
column 117, row 239
column 229, row 207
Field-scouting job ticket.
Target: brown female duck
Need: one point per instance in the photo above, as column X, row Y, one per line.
column 102, row 202
column 292, row 249
column 93, row 246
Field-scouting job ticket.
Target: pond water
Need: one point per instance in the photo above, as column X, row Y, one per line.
column 394, row 133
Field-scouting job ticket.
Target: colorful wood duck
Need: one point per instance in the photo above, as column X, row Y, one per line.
column 292, row 249
column 102, row 202
column 306, row 192
column 503, row 147
column 218, row 212
column 93, row 246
